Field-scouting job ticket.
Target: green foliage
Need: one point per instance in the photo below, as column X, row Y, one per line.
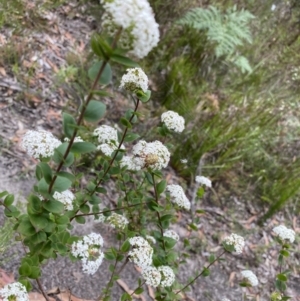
column 227, row 31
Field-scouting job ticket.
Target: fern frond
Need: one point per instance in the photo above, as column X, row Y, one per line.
column 227, row 30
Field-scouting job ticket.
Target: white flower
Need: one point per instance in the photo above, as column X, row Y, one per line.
column 100, row 218
column 235, row 240
column 184, row 161
column 14, row 291
column 39, row 144
column 151, row 239
column 171, row 234
column 132, row 163
column 108, row 139
column 107, row 149
column 173, row 121
column 89, row 251
column 203, row 180
column 167, row 276
column 90, row 267
column 106, row 134
column 66, row 197
column 152, row 276
column 141, row 253
column 250, row 277
column 284, row 233
column 139, row 29
column 178, row 196
column 138, row 241
column 117, row 221
column 134, row 79
column 153, row 155
column 77, row 139
column 225, row 299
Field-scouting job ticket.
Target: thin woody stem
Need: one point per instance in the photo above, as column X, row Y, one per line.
column 80, row 118
column 202, row 272
column 157, row 213
column 111, row 210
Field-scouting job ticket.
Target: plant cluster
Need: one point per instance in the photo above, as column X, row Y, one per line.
column 147, row 205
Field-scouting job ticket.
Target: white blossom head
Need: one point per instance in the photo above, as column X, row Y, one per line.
column 171, row 234
column 14, row 291
column 117, row 221
column 284, row 233
column 153, row 155
column 173, row 121
column 141, row 253
column 167, row 276
column 77, row 139
column 140, row 31
column 66, row 197
column 250, row 277
column 132, row 163
column 39, row 144
column 184, row 161
column 107, row 149
column 203, row 181
column 236, row 241
column 152, row 276
column 89, row 251
column 178, row 196
column 106, row 134
column 135, row 79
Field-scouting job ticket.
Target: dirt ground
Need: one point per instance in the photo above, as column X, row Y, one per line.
column 38, row 104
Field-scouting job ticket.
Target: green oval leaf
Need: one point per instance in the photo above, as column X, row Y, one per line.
column 123, row 60
column 80, row 219
column 25, row 269
column 69, row 125
column 282, row 277
column 9, row 199
column 59, row 155
column 54, row 206
column 61, row 184
column 106, row 75
column 47, row 171
column 94, row 111
column 83, row 147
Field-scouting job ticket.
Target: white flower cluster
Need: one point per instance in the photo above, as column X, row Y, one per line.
column 14, row 291
column 89, row 251
column 172, row 234
column 77, row 139
column 173, row 121
column 39, row 144
column 117, row 221
column 134, row 79
column 108, row 139
column 141, row 253
column 152, row 155
column 178, row 196
column 250, row 277
column 66, row 197
column 235, row 240
column 140, row 31
column 203, row 180
column 152, row 276
column 284, row 233
column 167, row 276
